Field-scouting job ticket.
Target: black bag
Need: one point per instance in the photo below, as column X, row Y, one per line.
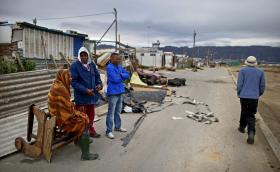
column 177, row 82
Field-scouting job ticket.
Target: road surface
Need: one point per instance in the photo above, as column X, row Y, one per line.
column 162, row 144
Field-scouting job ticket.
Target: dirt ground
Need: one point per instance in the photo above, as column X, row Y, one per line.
column 269, row 104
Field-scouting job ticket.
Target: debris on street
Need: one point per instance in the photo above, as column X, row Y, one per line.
column 176, row 118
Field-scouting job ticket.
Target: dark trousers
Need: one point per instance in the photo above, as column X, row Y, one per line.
column 248, row 111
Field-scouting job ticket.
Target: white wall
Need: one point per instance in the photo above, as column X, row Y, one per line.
column 5, row 34
column 148, row 60
column 158, row 60
column 168, row 61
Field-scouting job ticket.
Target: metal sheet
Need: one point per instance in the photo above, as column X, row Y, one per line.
column 54, row 43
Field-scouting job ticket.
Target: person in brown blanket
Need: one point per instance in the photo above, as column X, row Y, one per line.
column 67, row 117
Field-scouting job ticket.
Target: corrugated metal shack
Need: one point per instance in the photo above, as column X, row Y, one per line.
column 37, row 42
column 19, row 90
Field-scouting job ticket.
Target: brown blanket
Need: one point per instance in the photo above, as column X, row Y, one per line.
column 60, row 105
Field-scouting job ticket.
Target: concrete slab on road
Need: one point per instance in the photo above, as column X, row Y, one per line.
column 162, row 144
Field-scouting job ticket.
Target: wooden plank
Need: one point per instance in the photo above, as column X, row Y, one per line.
column 30, row 123
column 44, row 49
column 48, row 138
column 19, row 62
column 147, row 88
column 63, row 57
column 41, row 118
column 54, row 62
column 62, row 143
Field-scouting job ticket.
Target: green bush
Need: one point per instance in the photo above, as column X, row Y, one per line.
column 28, row 65
column 7, row 67
column 10, row 66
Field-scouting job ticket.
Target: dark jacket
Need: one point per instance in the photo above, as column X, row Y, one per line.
column 115, row 77
column 82, row 79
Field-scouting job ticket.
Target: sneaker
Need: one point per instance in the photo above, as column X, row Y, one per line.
column 241, row 130
column 250, row 139
column 110, row 135
column 121, row 130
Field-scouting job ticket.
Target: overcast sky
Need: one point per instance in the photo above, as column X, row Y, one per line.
column 141, row 22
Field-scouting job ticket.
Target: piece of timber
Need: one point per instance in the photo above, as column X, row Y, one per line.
column 48, row 138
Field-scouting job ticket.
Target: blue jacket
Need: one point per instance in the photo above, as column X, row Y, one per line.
column 115, row 77
column 250, row 83
column 82, row 79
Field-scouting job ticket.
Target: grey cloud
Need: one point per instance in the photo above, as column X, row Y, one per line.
column 217, row 22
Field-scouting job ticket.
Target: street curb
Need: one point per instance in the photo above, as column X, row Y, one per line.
column 271, row 139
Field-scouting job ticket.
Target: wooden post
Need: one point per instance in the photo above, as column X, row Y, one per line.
column 54, row 62
column 48, row 138
column 44, row 50
column 60, row 53
column 19, row 61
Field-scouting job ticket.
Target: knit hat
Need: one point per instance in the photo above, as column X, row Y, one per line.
column 251, row 61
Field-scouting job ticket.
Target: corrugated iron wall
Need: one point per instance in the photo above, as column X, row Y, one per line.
column 17, row 92
column 54, row 43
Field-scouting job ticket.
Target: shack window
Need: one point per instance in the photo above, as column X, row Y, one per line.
column 142, row 54
column 152, row 54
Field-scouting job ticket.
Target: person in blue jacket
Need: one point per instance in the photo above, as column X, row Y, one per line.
column 86, row 83
column 250, row 86
column 116, row 75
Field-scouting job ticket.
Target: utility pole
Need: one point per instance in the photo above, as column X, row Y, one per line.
column 194, row 36
column 116, row 28
column 119, row 41
column 94, row 49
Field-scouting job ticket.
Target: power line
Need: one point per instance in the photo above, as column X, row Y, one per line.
column 69, row 17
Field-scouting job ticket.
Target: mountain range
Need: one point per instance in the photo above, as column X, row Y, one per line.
column 262, row 53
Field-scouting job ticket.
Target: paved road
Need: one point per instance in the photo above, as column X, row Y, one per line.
column 162, row 144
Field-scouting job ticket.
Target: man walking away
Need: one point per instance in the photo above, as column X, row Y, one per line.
column 115, row 77
column 250, row 86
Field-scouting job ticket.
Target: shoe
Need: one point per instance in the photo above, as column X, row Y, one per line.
column 121, row 130
column 84, row 145
column 110, row 135
column 250, row 139
column 95, row 135
column 241, row 130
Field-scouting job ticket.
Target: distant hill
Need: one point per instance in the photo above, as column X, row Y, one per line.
column 104, row 46
column 263, row 53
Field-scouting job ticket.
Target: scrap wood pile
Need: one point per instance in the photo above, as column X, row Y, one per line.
column 139, row 76
column 102, row 60
column 153, row 78
column 202, row 112
column 144, row 102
